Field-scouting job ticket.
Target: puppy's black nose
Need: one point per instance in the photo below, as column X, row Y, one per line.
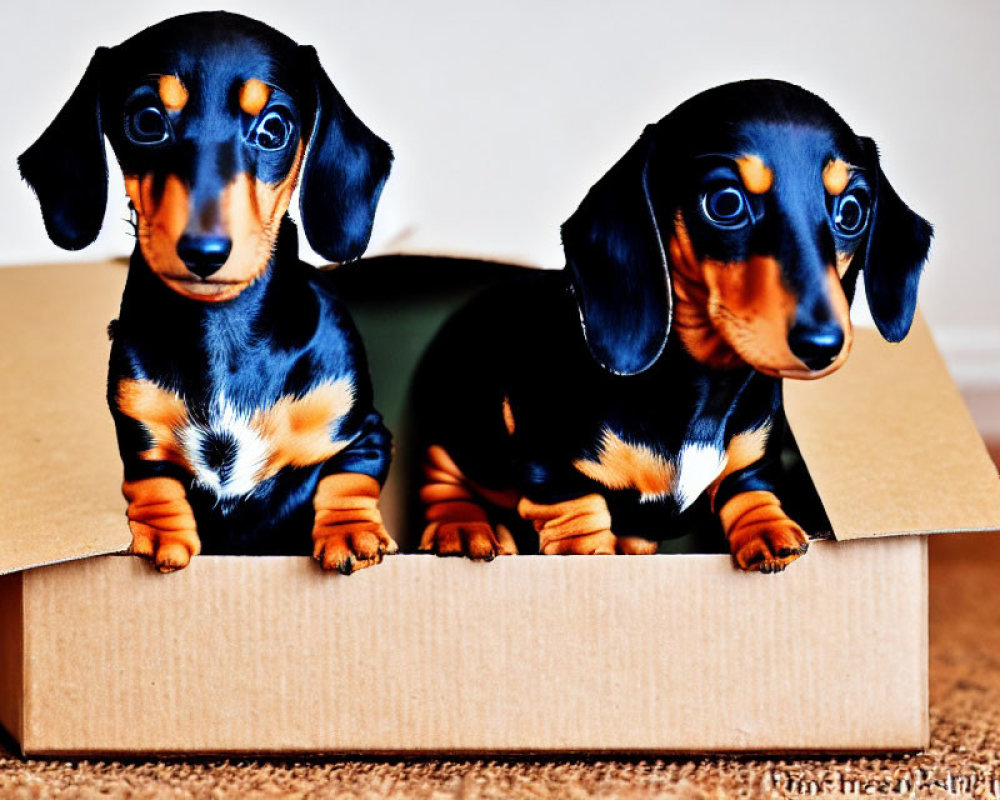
column 204, row 254
column 816, row 347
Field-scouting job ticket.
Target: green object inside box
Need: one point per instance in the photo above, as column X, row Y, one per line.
column 400, row 302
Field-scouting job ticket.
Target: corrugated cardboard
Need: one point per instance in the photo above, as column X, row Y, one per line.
column 61, row 485
column 890, row 445
column 421, row 655
column 429, row 655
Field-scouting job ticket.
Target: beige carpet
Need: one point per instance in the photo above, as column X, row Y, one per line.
column 963, row 761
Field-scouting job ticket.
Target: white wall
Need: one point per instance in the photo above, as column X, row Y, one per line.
column 503, row 114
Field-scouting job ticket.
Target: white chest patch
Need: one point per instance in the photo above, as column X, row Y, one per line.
column 697, row 466
column 229, row 450
column 227, row 455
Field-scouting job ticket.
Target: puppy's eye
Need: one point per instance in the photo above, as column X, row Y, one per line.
column 272, row 130
column 850, row 211
column 147, row 125
column 726, row 207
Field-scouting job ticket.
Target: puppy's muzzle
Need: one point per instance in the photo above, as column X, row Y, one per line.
column 204, row 255
column 816, row 346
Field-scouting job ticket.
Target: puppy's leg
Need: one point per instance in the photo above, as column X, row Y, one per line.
column 581, row 526
column 761, row 535
column 348, row 533
column 162, row 522
column 457, row 524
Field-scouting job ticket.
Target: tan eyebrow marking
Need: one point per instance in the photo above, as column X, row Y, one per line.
column 254, row 95
column 836, row 174
column 756, row 175
column 172, row 92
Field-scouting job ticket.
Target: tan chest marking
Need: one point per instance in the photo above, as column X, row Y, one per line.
column 298, row 429
column 162, row 413
column 294, row 431
column 620, row 465
column 743, row 450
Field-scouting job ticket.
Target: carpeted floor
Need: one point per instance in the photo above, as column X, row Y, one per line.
column 963, row 760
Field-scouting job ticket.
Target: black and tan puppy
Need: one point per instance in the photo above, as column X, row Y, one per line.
column 606, row 402
column 237, row 382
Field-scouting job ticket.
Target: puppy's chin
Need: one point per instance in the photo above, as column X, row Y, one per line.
column 796, row 370
column 225, row 284
column 205, row 291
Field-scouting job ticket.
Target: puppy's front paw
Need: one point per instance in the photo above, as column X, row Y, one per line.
column 474, row 539
column 577, row 527
column 168, row 550
column 348, row 548
column 599, row 543
column 770, row 548
column 761, row 536
column 162, row 523
column 636, row 546
column 348, row 533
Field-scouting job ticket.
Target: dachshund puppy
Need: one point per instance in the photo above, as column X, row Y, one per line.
column 237, row 382
column 605, row 403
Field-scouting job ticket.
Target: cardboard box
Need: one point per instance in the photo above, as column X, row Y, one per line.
column 657, row 654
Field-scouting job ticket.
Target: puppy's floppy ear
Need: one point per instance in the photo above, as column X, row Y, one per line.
column 67, row 167
column 898, row 241
column 345, row 168
column 618, row 267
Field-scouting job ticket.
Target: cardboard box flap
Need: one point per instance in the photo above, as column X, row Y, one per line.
column 57, row 441
column 890, row 445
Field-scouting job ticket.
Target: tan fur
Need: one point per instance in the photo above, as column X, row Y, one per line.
column 621, row 465
column 756, row 176
column 761, row 535
column 691, row 319
column 743, row 450
column 843, row 263
column 251, row 213
column 298, row 429
column 162, row 522
column 161, row 412
column 254, row 95
column 752, row 309
column 573, row 527
column 173, row 94
column 457, row 523
column 508, row 417
column 836, row 175
column 728, row 314
column 348, row 533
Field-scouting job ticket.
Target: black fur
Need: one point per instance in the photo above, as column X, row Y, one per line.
column 284, row 334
